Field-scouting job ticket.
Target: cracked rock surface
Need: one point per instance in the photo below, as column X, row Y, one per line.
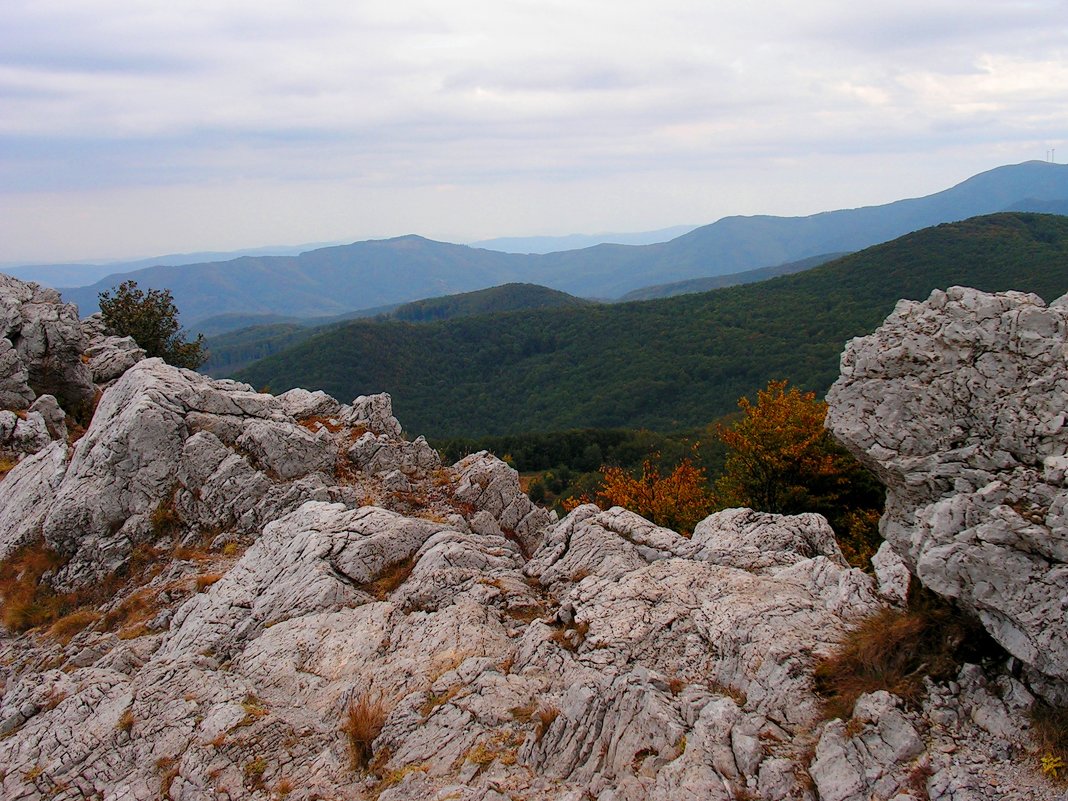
column 283, row 597
column 960, row 405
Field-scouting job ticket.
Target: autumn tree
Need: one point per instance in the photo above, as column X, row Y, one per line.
column 152, row 320
column 781, row 459
column 678, row 500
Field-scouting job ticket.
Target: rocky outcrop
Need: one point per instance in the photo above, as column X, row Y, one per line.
column 108, row 356
column 41, row 348
column 283, row 597
column 958, row 404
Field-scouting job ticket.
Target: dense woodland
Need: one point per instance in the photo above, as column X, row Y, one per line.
column 667, row 364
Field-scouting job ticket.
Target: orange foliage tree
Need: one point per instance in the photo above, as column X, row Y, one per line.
column 678, row 500
column 781, row 459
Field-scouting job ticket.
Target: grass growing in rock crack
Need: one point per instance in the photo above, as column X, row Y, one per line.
column 28, row 600
column 391, row 577
column 895, row 649
column 545, row 717
column 361, row 724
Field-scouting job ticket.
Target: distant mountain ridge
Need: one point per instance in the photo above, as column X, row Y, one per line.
column 669, row 363
column 553, row 244
column 336, row 280
column 76, row 275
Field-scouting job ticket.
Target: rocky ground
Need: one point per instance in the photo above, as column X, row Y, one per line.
column 283, row 597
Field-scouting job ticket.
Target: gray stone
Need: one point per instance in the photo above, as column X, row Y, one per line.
column 957, row 404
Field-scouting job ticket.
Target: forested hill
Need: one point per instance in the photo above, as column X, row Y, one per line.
column 665, row 363
column 234, row 350
column 505, row 298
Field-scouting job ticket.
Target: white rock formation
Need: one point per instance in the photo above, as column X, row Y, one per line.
column 259, row 567
column 41, row 347
column 960, row 404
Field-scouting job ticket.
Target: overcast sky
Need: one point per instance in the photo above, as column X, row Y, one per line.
column 131, row 129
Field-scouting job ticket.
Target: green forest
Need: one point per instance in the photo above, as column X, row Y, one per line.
column 667, row 364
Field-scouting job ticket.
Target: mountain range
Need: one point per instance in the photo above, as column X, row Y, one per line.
column 663, row 364
column 338, row 280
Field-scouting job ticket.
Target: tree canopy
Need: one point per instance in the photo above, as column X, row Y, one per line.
column 152, row 320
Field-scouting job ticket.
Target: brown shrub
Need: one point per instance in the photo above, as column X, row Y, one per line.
column 894, row 649
column 362, row 723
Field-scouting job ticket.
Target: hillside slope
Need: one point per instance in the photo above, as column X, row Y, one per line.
column 665, row 363
column 234, row 350
column 332, row 281
column 709, row 283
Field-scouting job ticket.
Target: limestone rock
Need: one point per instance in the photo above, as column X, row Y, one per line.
column 871, row 757
column 958, row 404
column 111, row 357
column 289, row 600
column 48, row 342
column 488, row 484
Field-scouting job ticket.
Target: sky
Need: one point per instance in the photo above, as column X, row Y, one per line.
column 130, row 130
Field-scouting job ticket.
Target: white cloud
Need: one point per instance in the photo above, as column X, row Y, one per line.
column 510, row 100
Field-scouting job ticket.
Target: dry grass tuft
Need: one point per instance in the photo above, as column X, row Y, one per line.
column 571, row 638
column 1049, row 728
column 68, row 626
column 255, row 708
column 205, row 580
column 894, row 649
column 126, row 721
column 168, row 767
column 6, row 466
column 29, row 601
column 435, row 700
column 391, row 577
column 165, row 520
column 523, row 714
column 545, row 717
column 362, row 723
column 129, row 617
column 254, row 771
column 733, row 693
column 317, row 422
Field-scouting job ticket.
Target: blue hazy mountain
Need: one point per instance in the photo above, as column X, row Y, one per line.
column 336, row 280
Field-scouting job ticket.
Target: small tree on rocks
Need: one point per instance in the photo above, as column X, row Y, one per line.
column 152, row 320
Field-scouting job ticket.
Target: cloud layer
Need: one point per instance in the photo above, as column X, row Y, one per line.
column 128, row 129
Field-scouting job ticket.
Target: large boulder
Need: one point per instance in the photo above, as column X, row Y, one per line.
column 960, row 405
column 41, row 350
